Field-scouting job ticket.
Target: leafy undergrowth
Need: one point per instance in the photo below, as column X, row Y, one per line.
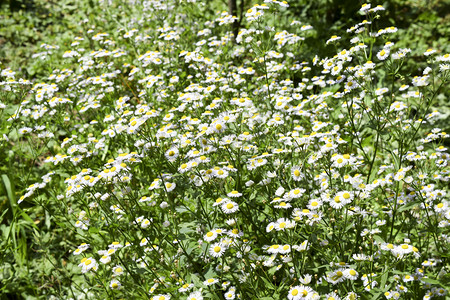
column 172, row 159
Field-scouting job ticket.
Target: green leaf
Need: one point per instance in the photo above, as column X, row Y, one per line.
column 378, row 238
column 272, row 270
column 431, row 281
column 9, row 191
column 28, row 219
column 408, row 206
column 196, row 280
column 269, row 285
column 93, row 230
column 385, row 276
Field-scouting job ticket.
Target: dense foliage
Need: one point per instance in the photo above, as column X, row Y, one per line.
column 148, row 152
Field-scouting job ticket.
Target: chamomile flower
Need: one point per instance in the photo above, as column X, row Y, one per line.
column 217, row 249
column 296, row 173
column 117, row 271
column 186, row 287
column 270, row 227
column 283, row 224
column 105, row 259
column 115, row 284
column 170, row 186
column 429, row 52
column 210, row 281
column 234, row 194
column 333, row 39
column 161, row 297
column 197, row 295
column 351, row 274
column 172, row 154
column 332, row 296
column 314, row 204
column 230, row 207
column 87, row 264
column 210, row 236
column 300, row 292
column 383, row 54
column 218, row 127
column 296, row 193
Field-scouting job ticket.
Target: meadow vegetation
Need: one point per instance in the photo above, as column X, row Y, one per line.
column 149, row 150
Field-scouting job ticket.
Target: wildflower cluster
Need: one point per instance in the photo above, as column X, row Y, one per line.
column 193, row 163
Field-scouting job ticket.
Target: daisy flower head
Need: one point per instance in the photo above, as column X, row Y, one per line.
column 445, row 57
column 220, row 201
column 235, row 233
column 210, row 281
column 351, row 274
column 377, row 8
column 220, row 173
column 170, row 186
column 300, row 292
column 340, row 200
column 333, row 38
column 217, row 249
column 161, row 297
column 283, row 204
column 78, row 251
column 403, row 87
column 383, row 54
column 172, row 154
column 115, row 246
column 296, row 193
column 230, row 207
column 87, row 264
column 234, row 194
column 218, row 126
column 210, row 236
column 197, row 295
column 296, row 173
column 339, row 161
column 105, row 259
column 332, row 296
column 314, row 204
column 270, row 227
column 230, row 295
column 117, row 271
column 365, row 7
column 336, row 276
column 403, row 249
column 186, row 287
column 283, row 224
column 115, row 284
column 429, row 52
